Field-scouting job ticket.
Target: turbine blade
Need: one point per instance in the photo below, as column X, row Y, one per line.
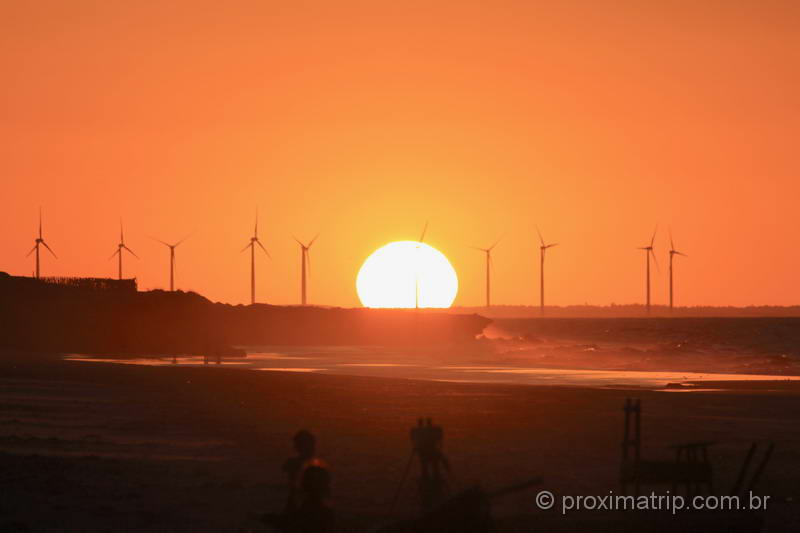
column 180, row 241
column 50, row 249
column 551, row 245
column 424, row 231
column 541, row 239
column 114, row 254
column 298, row 241
column 312, row 240
column 655, row 259
column 32, row 250
column 159, row 240
column 671, row 242
column 40, row 222
column 653, row 238
column 131, row 251
column 121, row 236
column 496, row 242
column 265, row 250
column 255, row 228
column 246, row 247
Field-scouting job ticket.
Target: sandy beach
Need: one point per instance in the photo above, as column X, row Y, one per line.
column 112, row 447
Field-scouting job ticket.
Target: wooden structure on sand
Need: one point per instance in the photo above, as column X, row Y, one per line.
column 690, row 469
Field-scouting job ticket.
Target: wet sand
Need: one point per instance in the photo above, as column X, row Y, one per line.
column 111, row 447
column 464, row 364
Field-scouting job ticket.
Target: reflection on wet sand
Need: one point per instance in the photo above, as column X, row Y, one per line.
column 288, row 369
column 395, row 364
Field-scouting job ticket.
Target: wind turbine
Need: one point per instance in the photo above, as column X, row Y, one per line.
column 252, row 245
column 121, row 247
column 488, row 252
column 305, row 261
column 416, row 267
column 672, row 253
column 542, row 249
column 40, row 242
column 172, row 260
column 648, row 251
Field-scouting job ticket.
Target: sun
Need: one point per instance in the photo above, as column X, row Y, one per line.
column 394, row 274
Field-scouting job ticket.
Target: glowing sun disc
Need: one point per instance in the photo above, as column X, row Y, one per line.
column 390, row 277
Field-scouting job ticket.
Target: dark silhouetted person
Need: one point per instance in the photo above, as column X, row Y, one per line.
column 306, row 509
column 305, row 444
column 313, row 514
column 427, row 440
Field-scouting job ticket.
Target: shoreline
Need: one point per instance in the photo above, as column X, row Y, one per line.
column 452, row 366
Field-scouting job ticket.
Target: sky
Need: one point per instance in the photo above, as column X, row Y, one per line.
column 595, row 121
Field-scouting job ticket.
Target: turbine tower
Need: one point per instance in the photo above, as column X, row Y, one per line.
column 252, row 245
column 488, row 252
column 172, row 260
column 542, row 249
column 305, row 262
column 416, row 268
column 40, row 242
column 121, row 247
column 648, row 251
column 672, row 253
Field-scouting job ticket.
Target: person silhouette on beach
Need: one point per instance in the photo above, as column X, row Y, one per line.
column 306, row 510
column 427, row 440
column 305, row 444
column 312, row 514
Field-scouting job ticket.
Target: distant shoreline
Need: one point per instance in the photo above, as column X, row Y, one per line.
column 629, row 311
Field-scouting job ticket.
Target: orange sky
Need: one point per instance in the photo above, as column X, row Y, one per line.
column 595, row 120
